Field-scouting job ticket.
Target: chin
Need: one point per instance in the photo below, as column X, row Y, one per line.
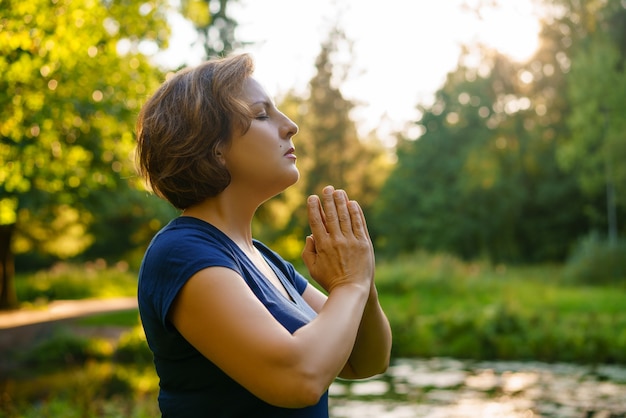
column 296, row 177
column 289, row 180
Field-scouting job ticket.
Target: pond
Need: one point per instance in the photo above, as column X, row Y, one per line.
column 448, row 388
column 429, row 388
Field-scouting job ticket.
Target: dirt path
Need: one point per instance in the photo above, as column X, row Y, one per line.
column 22, row 327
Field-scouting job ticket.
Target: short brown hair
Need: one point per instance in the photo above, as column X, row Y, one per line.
column 184, row 125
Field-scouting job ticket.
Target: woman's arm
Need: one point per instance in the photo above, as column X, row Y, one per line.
column 219, row 315
column 372, row 349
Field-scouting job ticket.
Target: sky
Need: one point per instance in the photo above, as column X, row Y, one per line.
column 403, row 49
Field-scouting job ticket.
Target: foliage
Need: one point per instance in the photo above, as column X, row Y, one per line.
column 93, row 390
column 215, row 26
column 69, row 98
column 133, row 348
column 69, row 281
column 595, row 261
column 481, row 181
column 72, row 78
column 514, row 158
column 596, row 90
column 440, row 306
column 127, row 318
column 61, row 350
column 63, row 347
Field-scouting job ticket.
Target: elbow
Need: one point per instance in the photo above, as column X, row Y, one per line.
column 309, row 394
column 371, row 370
column 364, row 370
column 384, row 366
column 386, row 362
column 299, row 384
column 300, row 394
column 310, row 387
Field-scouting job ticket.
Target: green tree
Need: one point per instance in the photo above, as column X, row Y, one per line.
column 596, row 147
column 72, row 77
column 482, row 180
column 505, row 193
column 215, row 27
column 329, row 151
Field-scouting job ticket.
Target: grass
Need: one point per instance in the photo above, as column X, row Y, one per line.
column 93, row 390
column 439, row 306
column 437, row 286
column 129, row 318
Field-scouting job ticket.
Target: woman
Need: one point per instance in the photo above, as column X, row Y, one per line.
column 234, row 329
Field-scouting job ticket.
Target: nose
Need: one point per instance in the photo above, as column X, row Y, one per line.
column 289, row 128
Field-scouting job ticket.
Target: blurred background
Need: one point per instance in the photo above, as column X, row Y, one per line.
column 485, row 140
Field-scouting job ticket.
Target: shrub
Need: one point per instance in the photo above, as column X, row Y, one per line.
column 597, row 261
column 77, row 281
column 133, row 348
column 63, row 349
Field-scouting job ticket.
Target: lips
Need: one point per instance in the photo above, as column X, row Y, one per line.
column 290, row 152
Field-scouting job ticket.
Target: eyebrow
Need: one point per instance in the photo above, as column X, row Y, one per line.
column 265, row 103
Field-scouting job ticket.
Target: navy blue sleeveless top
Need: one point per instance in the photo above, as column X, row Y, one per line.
column 191, row 386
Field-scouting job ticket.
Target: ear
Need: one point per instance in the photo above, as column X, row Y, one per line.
column 219, row 155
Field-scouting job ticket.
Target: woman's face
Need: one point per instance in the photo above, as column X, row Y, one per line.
column 262, row 159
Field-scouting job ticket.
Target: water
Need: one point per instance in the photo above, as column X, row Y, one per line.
column 448, row 388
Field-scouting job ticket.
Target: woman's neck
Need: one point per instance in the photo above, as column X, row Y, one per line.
column 231, row 216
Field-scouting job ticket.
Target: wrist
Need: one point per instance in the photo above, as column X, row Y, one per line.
column 353, row 288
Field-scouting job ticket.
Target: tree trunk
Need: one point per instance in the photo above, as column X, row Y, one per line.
column 611, row 205
column 8, row 297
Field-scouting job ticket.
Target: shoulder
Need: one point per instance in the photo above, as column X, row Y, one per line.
column 177, row 252
column 185, row 246
column 186, row 237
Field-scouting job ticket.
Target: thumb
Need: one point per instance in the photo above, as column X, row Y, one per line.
column 309, row 253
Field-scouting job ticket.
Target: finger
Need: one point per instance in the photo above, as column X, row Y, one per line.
column 310, row 244
column 309, row 252
column 359, row 227
column 343, row 214
column 316, row 216
column 330, row 211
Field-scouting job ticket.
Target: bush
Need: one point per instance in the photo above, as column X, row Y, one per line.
column 64, row 349
column 133, row 348
column 77, row 281
column 597, row 261
column 439, row 306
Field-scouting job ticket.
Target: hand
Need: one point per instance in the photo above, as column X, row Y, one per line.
column 339, row 251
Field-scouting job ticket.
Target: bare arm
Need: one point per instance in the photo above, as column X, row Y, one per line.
column 372, row 348
column 220, row 316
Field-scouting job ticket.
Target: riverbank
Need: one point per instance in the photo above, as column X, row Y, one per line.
column 450, row 388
